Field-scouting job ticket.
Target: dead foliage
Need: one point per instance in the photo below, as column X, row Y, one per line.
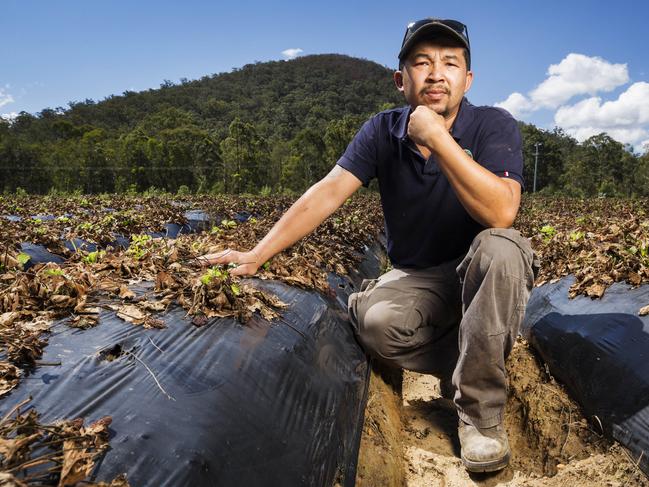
column 59, row 454
column 106, row 279
column 599, row 241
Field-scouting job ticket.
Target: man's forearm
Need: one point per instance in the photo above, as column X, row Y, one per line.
column 309, row 211
column 489, row 199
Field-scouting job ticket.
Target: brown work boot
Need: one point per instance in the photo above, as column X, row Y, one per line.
column 483, row 449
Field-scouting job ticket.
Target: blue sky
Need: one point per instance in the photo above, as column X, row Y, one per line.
column 56, row 52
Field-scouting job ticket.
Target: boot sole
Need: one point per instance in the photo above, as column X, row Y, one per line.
column 490, row 466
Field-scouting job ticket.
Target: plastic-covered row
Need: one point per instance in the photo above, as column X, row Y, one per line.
column 600, row 350
column 260, row 404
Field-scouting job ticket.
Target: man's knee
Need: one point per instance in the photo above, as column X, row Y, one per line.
column 505, row 249
column 387, row 333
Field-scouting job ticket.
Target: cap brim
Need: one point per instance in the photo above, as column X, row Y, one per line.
column 430, row 31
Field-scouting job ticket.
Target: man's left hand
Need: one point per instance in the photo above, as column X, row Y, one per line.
column 425, row 125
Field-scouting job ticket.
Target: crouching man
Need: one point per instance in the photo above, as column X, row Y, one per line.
column 450, row 177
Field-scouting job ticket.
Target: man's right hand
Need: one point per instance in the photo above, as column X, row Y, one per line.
column 247, row 262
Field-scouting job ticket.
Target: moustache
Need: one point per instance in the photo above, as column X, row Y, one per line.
column 434, row 88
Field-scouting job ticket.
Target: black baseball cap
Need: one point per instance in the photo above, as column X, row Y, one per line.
column 429, row 29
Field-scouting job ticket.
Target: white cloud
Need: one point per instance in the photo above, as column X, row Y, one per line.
column 575, row 75
column 5, row 98
column 631, row 108
column 626, row 119
column 517, row 104
column 625, row 136
column 9, row 116
column 292, row 53
column 581, row 78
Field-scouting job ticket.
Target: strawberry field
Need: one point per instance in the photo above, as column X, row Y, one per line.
column 71, row 258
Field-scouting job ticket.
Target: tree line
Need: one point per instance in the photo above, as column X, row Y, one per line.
column 265, row 128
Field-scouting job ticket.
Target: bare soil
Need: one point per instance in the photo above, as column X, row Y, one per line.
column 410, row 436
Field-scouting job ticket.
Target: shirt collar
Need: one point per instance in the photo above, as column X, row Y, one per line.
column 464, row 118
column 400, row 127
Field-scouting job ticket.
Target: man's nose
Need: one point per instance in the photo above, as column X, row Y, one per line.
column 435, row 71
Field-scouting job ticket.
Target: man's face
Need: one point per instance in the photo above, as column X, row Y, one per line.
column 434, row 75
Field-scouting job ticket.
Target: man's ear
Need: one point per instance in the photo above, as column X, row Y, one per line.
column 469, row 81
column 398, row 80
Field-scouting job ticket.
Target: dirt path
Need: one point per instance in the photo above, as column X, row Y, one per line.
column 552, row 445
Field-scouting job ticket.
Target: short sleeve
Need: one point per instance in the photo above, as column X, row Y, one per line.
column 501, row 147
column 360, row 157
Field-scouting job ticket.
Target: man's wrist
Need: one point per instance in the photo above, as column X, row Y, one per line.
column 438, row 138
column 259, row 256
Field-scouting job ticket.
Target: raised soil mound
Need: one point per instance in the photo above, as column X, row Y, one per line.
column 552, row 443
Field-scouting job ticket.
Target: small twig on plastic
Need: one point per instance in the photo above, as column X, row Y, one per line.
column 153, row 343
column 152, row 374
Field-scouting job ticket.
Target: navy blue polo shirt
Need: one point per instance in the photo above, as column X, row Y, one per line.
column 425, row 222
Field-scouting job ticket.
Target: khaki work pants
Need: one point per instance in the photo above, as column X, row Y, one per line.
column 457, row 319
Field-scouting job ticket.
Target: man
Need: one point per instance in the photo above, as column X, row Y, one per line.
column 450, row 179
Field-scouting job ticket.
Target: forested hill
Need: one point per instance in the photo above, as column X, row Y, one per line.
column 267, row 127
column 279, row 97
column 279, row 124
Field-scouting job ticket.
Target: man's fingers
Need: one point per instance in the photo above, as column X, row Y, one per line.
column 239, row 271
column 224, row 257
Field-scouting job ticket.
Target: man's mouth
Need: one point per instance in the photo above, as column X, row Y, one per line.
column 435, row 93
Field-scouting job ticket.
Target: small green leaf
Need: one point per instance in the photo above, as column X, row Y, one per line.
column 23, row 258
column 548, row 230
column 576, row 235
column 94, row 257
column 228, row 223
column 235, row 289
column 54, row 272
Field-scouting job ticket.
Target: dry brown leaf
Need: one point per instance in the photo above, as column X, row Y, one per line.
column 81, row 450
column 595, row 290
column 634, row 278
column 131, row 313
column 9, row 317
column 644, row 311
column 153, row 305
column 90, row 310
column 119, row 481
column 9, row 377
column 61, row 301
column 125, row 293
column 164, row 281
column 8, row 480
column 83, row 322
column 11, row 447
column 77, row 464
column 151, row 322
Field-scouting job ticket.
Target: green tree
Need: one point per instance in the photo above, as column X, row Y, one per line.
column 307, row 162
column 555, row 147
column 598, row 167
column 339, row 134
column 245, row 158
